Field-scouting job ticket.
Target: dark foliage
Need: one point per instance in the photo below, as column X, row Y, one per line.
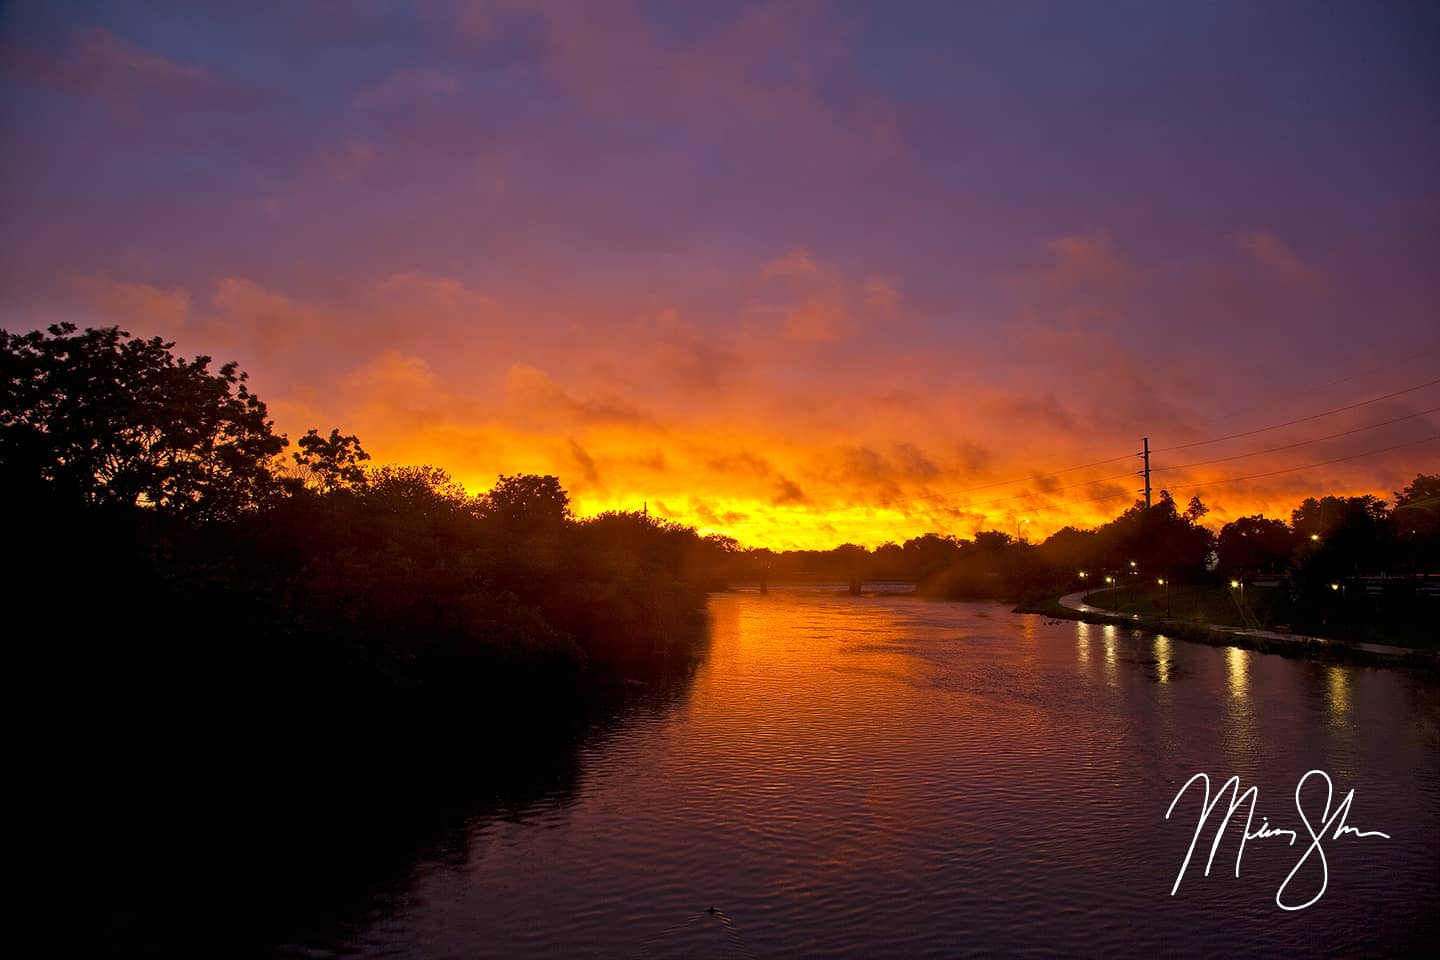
column 221, row 637
column 100, row 418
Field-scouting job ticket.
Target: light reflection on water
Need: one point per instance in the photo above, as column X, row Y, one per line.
column 882, row 776
column 1162, row 658
column 1237, row 662
column 1339, row 692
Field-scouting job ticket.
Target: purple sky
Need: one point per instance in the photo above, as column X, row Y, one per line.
column 801, row 272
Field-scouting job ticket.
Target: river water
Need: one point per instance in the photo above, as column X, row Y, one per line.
column 884, row 776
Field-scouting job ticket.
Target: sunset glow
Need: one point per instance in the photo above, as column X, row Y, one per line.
column 797, row 273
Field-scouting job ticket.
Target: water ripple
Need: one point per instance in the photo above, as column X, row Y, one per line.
column 889, row 777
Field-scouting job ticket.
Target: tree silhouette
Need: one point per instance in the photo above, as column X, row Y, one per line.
column 1416, row 521
column 534, row 501
column 1424, row 489
column 102, row 418
column 1252, row 545
column 334, row 462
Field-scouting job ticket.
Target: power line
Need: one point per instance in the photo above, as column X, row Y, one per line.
column 1213, row 483
column 1323, row 463
column 1302, row 443
column 1185, row 446
column 1291, row 423
column 1424, row 353
column 1231, row 480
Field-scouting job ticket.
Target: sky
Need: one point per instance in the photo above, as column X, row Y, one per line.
column 801, row 273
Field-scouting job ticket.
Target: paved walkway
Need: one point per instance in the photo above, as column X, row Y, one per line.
column 1076, row 602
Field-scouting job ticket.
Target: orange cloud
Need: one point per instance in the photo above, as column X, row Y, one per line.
column 258, row 316
column 1089, row 260
column 749, row 425
column 140, row 305
column 1273, row 253
column 817, row 323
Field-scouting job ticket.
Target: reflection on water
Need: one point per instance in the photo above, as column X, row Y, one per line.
column 1237, row 662
column 881, row 776
column 1162, row 658
column 1339, row 692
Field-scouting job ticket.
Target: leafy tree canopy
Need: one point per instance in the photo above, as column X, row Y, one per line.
column 99, row 417
column 331, row 463
column 1424, row 489
column 1256, row 544
column 1328, row 515
column 534, row 501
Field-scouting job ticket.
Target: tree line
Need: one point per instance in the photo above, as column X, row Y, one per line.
column 137, row 473
column 199, row 601
column 216, row 624
column 1338, row 565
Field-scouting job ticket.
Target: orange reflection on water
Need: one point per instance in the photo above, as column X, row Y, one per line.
column 1162, row 658
column 1237, row 664
column 1339, row 681
column 799, row 700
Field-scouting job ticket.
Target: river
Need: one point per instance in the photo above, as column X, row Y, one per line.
column 884, row 776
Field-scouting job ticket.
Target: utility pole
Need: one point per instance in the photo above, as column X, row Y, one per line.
column 1146, row 472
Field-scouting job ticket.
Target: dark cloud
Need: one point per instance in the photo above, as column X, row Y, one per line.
column 788, row 493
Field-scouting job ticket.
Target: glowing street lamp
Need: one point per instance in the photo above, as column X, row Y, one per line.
column 1166, row 584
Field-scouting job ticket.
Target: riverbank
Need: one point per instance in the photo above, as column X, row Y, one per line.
column 1073, row 606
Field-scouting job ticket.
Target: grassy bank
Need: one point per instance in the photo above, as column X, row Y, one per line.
column 1288, row 646
column 1395, row 618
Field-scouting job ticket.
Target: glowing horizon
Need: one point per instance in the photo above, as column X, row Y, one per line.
column 801, row 274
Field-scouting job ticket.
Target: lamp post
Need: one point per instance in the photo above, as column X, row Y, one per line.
column 1166, row 584
column 1241, row 584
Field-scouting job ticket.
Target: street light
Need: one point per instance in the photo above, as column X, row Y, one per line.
column 1241, row 585
column 1166, row 584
